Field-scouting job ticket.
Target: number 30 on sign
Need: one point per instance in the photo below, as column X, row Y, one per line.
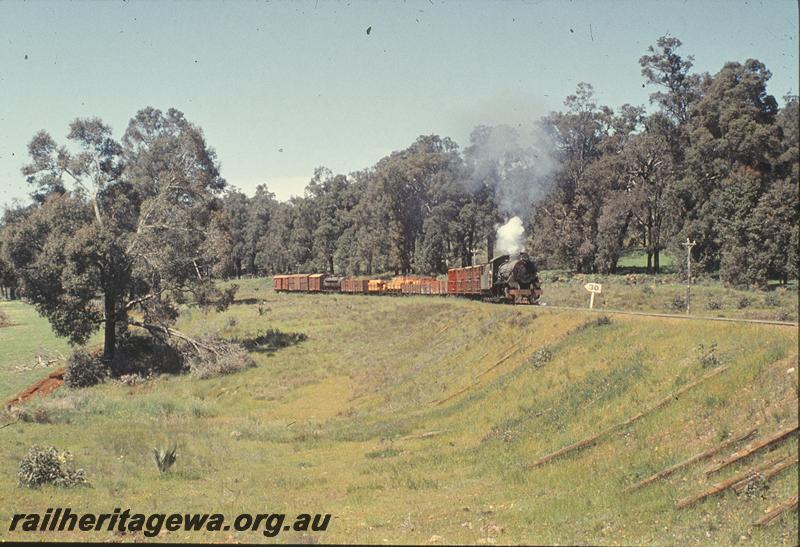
column 593, row 288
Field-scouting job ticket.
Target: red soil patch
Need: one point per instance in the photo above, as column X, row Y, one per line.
column 46, row 385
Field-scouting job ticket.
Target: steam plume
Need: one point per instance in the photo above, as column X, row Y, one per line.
column 516, row 162
column 510, row 236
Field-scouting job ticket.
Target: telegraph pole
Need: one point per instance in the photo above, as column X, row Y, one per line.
column 688, row 245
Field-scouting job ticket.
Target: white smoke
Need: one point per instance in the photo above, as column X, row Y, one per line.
column 510, row 236
column 516, row 161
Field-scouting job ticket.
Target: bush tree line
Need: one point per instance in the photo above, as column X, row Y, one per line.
column 715, row 161
column 120, row 233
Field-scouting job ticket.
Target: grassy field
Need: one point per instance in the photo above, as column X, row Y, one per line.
column 415, row 420
column 666, row 294
column 28, row 336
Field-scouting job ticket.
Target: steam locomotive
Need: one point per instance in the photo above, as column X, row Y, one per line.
column 503, row 279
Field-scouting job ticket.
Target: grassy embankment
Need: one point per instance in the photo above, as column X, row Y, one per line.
column 337, row 424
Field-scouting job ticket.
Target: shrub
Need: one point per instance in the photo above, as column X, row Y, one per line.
column 772, row 300
column 757, row 486
column 784, row 315
column 132, row 380
column 270, row 340
column 647, row 290
column 743, row 302
column 708, row 357
column 678, row 304
column 389, row 452
column 601, row 321
column 4, row 321
column 164, row 458
column 145, row 356
column 36, row 415
column 541, row 357
column 227, row 358
column 49, row 465
column 84, row 370
column 714, row 304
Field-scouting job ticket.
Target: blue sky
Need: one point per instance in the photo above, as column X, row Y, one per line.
column 282, row 87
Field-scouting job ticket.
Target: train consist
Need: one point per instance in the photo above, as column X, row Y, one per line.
column 514, row 281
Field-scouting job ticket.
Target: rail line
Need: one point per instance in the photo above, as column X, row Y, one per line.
column 674, row 316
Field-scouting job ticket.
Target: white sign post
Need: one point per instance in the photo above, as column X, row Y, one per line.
column 593, row 288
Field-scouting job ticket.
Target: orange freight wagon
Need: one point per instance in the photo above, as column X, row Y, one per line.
column 279, row 283
column 464, row 280
column 376, row 286
column 351, row 285
column 315, row 282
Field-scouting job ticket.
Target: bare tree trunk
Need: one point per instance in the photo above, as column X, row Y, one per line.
column 110, row 340
column 656, row 265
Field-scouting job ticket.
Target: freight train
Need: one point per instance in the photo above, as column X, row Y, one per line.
column 502, row 280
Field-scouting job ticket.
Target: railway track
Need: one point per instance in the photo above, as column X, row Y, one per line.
column 673, row 316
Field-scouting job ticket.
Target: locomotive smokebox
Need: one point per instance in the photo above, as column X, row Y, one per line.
column 516, row 279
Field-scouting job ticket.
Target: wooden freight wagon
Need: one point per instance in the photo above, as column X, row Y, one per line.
column 315, row 282
column 351, row 285
column 298, row 283
column 280, row 283
column 418, row 285
column 465, row 280
column 376, row 286
column 395, row 285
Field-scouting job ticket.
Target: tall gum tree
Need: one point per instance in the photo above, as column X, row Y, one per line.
column 117, row 238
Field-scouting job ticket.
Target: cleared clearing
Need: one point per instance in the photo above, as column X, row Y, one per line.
column 348, row 423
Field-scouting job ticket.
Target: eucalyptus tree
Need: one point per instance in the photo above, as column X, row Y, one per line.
column 118, row 236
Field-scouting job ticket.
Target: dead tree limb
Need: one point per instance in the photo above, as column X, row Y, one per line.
column 515, row 348
column 170, row 332
column 425, row 435
column 724, row 485
column 456, row 394
column 685, row 463
column 498, row 363
column 774, row 513
column 751, row 449
column 768, row 474
column 591, row 440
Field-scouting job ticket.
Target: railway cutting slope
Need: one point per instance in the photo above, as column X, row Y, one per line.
column 431, row 420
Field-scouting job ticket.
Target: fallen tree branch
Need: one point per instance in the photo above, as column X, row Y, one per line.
column 751, row 449
column 774, row 513
column 768, row 474
column 498, row 363
column 170, row 332
column 515, row 348
column 591, row 440
column 457, row 393
column 9, row 423
column 685, row 463
column 426, row 435
column 779, row 464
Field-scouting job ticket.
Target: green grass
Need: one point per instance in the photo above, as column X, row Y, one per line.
column 658, row 294
column 638, row 260
column 28, row 334
column 360, row 421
